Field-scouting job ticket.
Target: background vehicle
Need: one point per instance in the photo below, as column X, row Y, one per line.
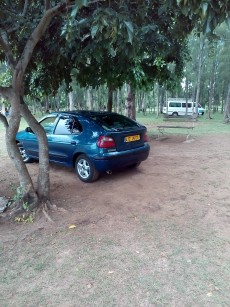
column 177, row 106
column 92, row 142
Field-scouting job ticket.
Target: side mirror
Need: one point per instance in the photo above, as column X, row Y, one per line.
column 28, row 129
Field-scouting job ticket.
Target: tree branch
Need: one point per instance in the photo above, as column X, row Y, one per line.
column 34, row 38
column 25, row 8
column 4, row 43
column 37, row 34
column 47, row 4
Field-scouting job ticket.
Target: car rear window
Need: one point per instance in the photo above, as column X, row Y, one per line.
column 113, row 121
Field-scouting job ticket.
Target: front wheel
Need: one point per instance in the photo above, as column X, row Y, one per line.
column 175, row 114
column 25, row 157
column 85, row 169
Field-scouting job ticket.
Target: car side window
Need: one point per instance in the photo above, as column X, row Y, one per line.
column 68, row 126
column 48, row 124
column 76, row 126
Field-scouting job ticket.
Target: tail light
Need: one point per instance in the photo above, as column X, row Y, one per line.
column 106, row 142
column 146, row 139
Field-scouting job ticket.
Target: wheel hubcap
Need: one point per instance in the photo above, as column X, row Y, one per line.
column 83, row 168
column 23, row 153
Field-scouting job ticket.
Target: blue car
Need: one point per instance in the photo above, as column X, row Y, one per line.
column 92, row 142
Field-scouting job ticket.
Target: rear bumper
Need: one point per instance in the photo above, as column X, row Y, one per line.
column 117, row 160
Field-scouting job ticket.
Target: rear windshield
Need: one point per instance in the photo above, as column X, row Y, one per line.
column 113, row 121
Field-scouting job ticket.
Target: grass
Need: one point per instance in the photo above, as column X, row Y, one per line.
column 203, row 125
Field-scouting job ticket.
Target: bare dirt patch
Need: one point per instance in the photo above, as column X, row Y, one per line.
column 154, row 236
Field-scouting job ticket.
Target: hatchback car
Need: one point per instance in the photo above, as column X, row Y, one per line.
column 92, row 142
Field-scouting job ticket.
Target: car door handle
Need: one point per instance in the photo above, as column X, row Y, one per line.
column 73, row 143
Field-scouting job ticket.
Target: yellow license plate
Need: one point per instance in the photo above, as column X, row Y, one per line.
column 132, row 138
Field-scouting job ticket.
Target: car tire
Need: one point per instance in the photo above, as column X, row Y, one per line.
column 175, row 114
column 85, row 169
column 25, row 157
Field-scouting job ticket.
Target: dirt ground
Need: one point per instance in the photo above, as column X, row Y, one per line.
column 154, row 236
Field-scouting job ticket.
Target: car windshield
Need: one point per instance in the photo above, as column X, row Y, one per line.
column 113, row 121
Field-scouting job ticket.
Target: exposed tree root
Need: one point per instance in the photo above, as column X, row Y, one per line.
column 47, row 215
column 45, row 207
column 17, row 210
column 49, row 206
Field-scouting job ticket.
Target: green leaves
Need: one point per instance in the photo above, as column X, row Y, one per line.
column 204, row 7
column 94, row 30
column 206, row 15
column 79, row 5
column 114, row 40
column 129, row 27
column 74, row 11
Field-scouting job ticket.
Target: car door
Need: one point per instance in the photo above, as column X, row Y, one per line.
column 31, row 142
column 64, row 140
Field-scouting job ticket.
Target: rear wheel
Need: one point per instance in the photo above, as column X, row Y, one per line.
column 175, row 114
column 85, row 169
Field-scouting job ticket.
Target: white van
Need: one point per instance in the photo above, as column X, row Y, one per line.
column 177, row 106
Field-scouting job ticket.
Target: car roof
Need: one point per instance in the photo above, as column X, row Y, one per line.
column 81, row 112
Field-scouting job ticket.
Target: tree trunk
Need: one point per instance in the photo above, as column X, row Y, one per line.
column 43, row 181
column 157, row 97
column 222, row 99
column 89, row 98
column 212, row 87
column 47, row 108
column 163, row 98
column 200, row 69
column 227, row 107
column 25, row 180
column 130, row 109
column 115, row 101
column 186, row 95
column 13, row 94
column 110, row 99
column 71, row 101
column 119, row 102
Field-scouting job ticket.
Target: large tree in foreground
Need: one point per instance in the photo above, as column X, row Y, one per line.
column 16, row 20
column 29, row 36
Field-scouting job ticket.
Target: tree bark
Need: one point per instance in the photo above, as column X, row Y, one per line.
column 200, row 69
column 25, row 180
column 89, row 98
column 43, row 181
column 130, row 110
column 157, row 96
column 110, row 99
column 71, row 101
column 212, row 88
column 116, row 100
column 227, row 107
